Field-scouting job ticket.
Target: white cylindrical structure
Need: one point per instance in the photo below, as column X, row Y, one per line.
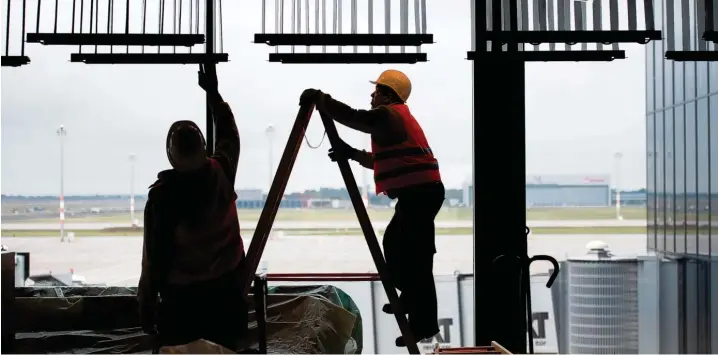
column 62, row 132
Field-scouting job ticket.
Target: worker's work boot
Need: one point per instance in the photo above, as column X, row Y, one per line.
column 418, row 336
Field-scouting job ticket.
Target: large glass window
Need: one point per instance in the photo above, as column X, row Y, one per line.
column 650, row 79
column 679, row 86
column 690, row 80
column 668, row 99
column 660, row 181
column 691, row 177
column 651, row 180
column 680, row 164
column 703, row 176
column 669, row 125
column 658, row 72
column 713, row 71
column 702, row 78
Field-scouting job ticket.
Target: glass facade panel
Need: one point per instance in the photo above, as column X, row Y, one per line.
column 650, row 102
column 668, row 99
column 678, row 82
column 658, row 74
column 660, row 182
column 669, row 192
column 690, row 80
column 702, row 79
column 703, row 171
column 651, row 180
column 691, row 178
column 713, row 120
column 713, row 71
column 680, row 178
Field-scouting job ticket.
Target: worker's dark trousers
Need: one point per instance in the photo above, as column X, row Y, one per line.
column 213, row 310
column 409, row 248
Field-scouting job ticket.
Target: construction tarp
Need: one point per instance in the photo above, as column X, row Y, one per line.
column 91, row 320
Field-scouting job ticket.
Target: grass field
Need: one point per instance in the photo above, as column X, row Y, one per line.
column 119, row 232
column 587, row 213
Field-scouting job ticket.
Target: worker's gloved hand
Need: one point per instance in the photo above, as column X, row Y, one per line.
column 208, row 81
column 310, row 96
column 342, row 151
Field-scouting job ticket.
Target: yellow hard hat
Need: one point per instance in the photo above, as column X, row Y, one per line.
column 397, row 81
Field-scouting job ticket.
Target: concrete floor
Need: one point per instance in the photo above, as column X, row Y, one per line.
column 116, row 260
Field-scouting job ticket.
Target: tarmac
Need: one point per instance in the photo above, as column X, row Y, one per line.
column 117, row 260
column 338, row 225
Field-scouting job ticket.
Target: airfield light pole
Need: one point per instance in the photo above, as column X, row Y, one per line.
column 617, row 157
column 270, row 138
column 62, row 132
column 133, row 158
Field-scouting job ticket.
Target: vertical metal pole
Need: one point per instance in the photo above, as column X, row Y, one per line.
column 618, row 157
column 324, row 22
column 264, row 16
column 62, row 132
column 133, row 158
column 387, row 20
column 277, row 20
column 371, row 22
column 403, row 20
column 270, row 135
column 209, row 51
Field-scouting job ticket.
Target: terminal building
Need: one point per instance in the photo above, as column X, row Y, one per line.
column 682, row 175
column 568, row 191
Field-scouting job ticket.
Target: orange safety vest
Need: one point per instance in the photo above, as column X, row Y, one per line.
column 408, row 163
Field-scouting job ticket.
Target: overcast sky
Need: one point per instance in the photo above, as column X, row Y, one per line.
column 578, row 114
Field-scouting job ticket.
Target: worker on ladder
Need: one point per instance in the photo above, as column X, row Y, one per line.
column 190, row 287
column 405, row 169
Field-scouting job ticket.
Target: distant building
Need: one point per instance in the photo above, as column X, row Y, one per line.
column 255, row 199
column 568, row 191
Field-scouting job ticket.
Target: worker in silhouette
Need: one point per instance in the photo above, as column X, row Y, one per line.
column 405, row 169
column 193, row 256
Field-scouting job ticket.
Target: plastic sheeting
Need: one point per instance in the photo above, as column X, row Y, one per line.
column 91, row 320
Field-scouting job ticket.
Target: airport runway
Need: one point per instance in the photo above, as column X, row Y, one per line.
column 338, row 225
column 116, row 260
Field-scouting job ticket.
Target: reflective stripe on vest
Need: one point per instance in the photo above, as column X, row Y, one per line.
column 409, row 163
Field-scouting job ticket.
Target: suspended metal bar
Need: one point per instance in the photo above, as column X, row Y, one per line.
column 116, row 39
column 148, row 58
column 348, row 58
column 580, row 19
column 613, row 11
column 8, row 60
column 632, row 15
column 360, row 39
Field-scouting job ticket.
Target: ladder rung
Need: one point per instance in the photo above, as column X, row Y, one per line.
column 560, row 56
column 538, row 37
column 692, row 56
column 148, row 58
column 347, row 58
column 15, row 60
column 364, row 39
column 115, row 39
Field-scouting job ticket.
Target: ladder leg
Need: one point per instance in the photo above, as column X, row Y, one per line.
column 274, row 197
column 371, row 240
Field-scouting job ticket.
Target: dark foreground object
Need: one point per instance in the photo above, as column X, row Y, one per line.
column 92, row 320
